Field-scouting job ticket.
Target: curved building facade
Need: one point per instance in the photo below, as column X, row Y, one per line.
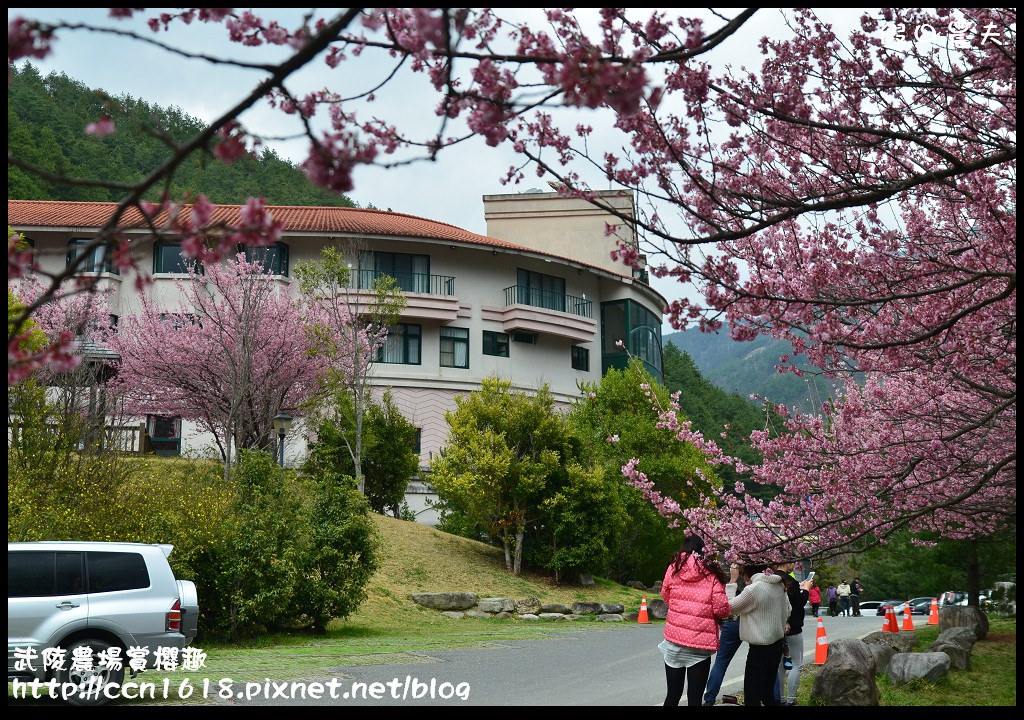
column 536, row 301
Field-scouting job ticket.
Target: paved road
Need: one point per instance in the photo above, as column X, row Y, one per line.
column 618, row 665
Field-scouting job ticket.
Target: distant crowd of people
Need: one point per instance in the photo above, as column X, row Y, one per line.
column 711, row 614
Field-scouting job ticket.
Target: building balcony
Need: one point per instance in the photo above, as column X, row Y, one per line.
column 538, row 311
column 428, row 297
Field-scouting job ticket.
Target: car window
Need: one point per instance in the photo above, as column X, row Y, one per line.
column 30, row 574
column 112, row 571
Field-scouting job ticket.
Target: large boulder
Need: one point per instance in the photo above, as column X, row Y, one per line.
column 631, row 616
column 478, row 615
column 959, row 658
column 528, row 606
column 961, row 636
column 882, row 654
column 929, row 666
column 586, row 608
column 848, row 676
column 964, row 616
column 658, row 608
column 656, row 587
column 445, row 600
column 552, row 616
column 636, row 585
column 613, row 608
column 610, row 617
column 496, row 605
column 529, row 616
column 900, row 642
column 555, row 608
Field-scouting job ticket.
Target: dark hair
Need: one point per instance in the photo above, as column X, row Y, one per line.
column 694, row 545
column 754, row 568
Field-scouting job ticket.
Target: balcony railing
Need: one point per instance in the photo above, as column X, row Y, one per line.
column 524, row 295
column 409, row 282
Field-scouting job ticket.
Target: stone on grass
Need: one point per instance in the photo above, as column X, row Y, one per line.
column 848, row 676
column 613, row 608
column 658, row 608
column 656, row 587
column 929, row 666
column 585, row 579
column 555, row 608
column 959, row 658
column 530, row 605
column 964, row 637
column 901, row 641
column 528, row 616
column 496, row 605
column 503, row 614
column 586, row 608
column 573, row 616
column 964, row 616
column 630, row 616
column 609, row 617
column 445, row 600
column 636, row 584
column 882, row 654
column 552, row 616
column 454, row 614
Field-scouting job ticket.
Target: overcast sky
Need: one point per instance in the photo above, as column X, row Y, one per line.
column 448, row 190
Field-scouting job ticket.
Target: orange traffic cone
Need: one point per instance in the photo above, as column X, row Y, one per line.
column 933, row 615
column 894, row 625
column 908, row 624
column 642, row 615
column 820, row 645
column 885, row 621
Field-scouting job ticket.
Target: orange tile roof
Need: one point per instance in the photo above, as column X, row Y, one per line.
column 57, row 214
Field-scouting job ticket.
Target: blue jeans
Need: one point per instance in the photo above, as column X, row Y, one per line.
column 728, row 643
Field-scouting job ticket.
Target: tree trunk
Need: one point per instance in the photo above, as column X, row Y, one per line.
column 505, row 547
column 518, row 566
column 973, row 576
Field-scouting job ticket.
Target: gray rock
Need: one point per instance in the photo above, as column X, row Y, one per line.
column 586, row 579
column 609, row 617
column 586, row 608
column 658, row 608
column 503, row 614
column 848, row 676
column 636, row 584
column 528, row 616
column 478, row 615
column 613, row 608
column 960, row 636
column 901, row 642
column 445, row 600
column 528, row 606
column 964, row 616
column 555, row 608
column 930, row 666
column 455, row 614
column 496, row 605
column 656, row 587
column 572, row 616
column 882, row 654
column 959, row 658
column 630, row 616
column 553, row 616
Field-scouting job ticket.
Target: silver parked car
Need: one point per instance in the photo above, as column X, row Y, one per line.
column 102, row 595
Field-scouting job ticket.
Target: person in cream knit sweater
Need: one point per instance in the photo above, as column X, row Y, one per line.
column 763, row 609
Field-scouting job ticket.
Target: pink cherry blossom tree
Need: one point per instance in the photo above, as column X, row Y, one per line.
column 229, row 357
column 854, row 193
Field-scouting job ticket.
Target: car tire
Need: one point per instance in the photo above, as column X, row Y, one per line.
column 106, row 676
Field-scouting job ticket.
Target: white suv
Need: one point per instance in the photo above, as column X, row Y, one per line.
column 69, row 595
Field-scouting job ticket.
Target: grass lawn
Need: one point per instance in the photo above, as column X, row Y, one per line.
column 992, row 679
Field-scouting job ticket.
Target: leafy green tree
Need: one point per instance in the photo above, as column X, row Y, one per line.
column 504, row 450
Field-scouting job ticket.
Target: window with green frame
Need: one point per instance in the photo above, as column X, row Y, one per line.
column 580, row 358
column 273, row 258
column 167, row 258
column 402, row 345
column 495, row 343
column 412, row 272
column 639, row 331
column 455, row 347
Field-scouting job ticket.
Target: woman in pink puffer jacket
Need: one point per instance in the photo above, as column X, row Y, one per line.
column 695, row 592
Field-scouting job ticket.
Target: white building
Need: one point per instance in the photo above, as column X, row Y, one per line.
column 538, row 300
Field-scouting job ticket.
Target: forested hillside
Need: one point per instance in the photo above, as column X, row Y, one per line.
column 46, row 119
column 748, row 368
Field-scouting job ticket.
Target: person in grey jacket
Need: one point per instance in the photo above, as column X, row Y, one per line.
column 764, row 611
